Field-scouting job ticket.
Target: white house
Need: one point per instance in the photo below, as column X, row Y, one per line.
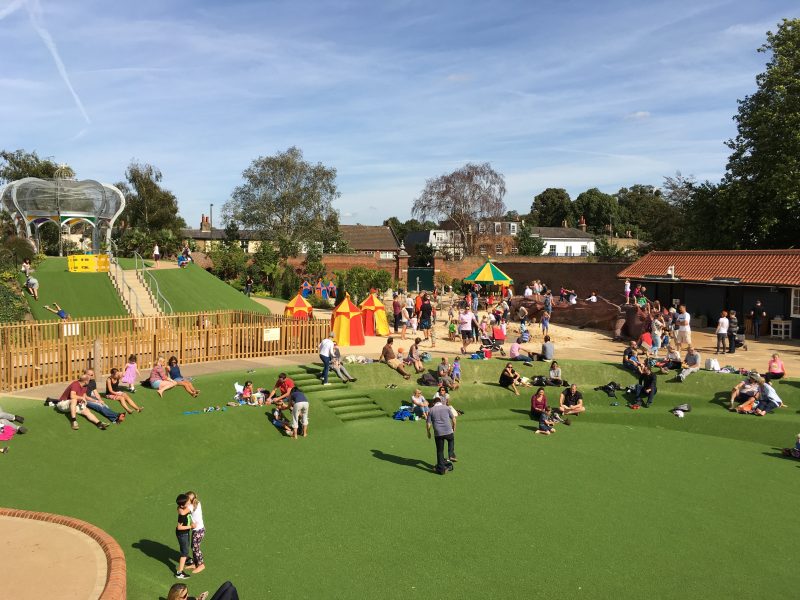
column 564, row 241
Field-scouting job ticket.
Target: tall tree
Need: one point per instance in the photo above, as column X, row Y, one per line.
column 599, row 210
column 20, row 164
column 150, row 209
column 470, row 194
column 527, row 244
column 552, row 207
column 288, row 201
column 764, row 166
column 644, row 211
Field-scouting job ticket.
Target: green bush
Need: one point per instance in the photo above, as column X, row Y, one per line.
column 12, row 304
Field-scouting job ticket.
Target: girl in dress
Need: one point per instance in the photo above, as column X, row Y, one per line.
column 131, row 374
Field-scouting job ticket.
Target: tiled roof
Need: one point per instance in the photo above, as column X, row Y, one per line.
column 749, row 267
column 370, row 237
column 561, row 233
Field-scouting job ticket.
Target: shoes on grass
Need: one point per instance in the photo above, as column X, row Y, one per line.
column 181, row 575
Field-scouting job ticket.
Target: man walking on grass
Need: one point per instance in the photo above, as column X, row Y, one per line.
column 441, row 419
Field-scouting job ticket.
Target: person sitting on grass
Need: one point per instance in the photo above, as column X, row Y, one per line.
column 672, row 360
column 56, row 309
column 280, row 422
column 793, row 452
column 545, row 425
column 554, row 375
column 538, row 404
column 548, row 350
column 74, row 402
column 443, row 371
column 691, row 364
column 630, row 358
column 769, row 400
column 390, row 358
column 96, row 403
column 570, row 402
column 775, row 369
column 159, row 380
column 517, row 352
column 419, row 405
column 510, row 379
column 414, row 357
column 114, row 392
column 176, row 376
column 646, row 387
column 745, row 391
column 283, row 388
column 179, row 591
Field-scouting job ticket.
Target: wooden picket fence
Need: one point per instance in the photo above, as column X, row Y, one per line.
column 34, row 354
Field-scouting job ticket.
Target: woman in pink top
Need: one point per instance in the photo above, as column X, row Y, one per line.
column 159, row 380
column 775, row 369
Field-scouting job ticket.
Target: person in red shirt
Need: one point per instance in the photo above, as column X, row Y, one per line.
column 75, row 394
column 284, row 386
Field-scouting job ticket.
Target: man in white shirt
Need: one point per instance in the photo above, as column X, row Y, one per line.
column 528, row 291
column 722, row 331
column 326, row 354
column 684, row 333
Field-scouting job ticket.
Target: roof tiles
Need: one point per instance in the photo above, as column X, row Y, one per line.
column 750, row 267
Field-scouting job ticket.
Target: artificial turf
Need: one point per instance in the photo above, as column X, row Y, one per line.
column 623, row 503
column 82, row 295
column 182, row 288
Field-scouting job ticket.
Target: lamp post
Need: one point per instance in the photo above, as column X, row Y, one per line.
column 211, row 226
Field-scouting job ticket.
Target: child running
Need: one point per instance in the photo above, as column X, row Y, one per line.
column 198, row 532
column 455, row 372
column 131, row 374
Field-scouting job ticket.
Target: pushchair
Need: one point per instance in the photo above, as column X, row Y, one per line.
column 490, row 344
column 741, row 341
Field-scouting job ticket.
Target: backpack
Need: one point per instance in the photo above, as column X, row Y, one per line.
column 428, row 379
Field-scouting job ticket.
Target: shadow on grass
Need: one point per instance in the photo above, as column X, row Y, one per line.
column 520, row 411
column 165, row 554
column 779, row 454
column 530, row 427
column 401, row 460
column 722, row 399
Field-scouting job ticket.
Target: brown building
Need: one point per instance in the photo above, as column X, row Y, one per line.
column 378, row 241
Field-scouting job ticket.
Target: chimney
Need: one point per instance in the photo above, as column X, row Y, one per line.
column 205, row 224
column 582, row 224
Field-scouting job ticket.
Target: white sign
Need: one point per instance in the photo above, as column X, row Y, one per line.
column 272, row 334
column 71, row 329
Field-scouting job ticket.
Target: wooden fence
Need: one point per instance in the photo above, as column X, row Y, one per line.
column 33, row 354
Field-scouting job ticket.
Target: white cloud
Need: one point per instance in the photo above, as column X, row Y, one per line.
column 639, row 115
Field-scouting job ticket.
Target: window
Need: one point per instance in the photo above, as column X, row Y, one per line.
column 498, row 228
column 245, row 245
column 512, row 228
column 481, row 227
column 796, row 302
column 552, row 250
column 483, row 250
column 387, row 255
column 568, row 251
column 498, row 249
column 584, row 250
column 514, row 250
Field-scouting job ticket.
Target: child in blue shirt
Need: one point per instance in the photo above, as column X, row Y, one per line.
column 456, row 372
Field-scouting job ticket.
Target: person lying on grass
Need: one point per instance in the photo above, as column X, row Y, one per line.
column 56, row 309
column 176, row 376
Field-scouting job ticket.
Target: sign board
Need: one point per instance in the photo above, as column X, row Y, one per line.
column 272, row 334
column 88, row 263
column 69, row 329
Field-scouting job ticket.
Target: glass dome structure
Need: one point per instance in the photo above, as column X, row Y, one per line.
column 33, row 202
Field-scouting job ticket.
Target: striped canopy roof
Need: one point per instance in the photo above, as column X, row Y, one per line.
column 488, row 273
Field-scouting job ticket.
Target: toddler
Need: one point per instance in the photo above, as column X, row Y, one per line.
column 131, row 374
column 414, row 321
column 451, row 330
column 545, row 323
column 456, row 370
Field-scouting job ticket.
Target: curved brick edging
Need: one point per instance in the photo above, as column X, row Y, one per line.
column 116, row 570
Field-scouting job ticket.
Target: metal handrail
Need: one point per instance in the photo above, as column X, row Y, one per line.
column 152, row 284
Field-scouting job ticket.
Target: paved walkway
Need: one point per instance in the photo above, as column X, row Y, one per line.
column 48, row 560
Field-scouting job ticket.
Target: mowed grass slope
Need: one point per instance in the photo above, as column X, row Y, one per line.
column 80, row 294
column 193, row 289
column 622, row 504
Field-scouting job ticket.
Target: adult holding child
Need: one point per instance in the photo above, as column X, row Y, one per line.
column 389, row 357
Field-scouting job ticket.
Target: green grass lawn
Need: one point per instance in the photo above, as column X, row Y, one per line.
column 80, row 294
column 192, row 289
column 622, row 504
column 129, row 264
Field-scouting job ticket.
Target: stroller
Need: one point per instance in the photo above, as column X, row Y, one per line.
column 741, row 341
column 493, row 345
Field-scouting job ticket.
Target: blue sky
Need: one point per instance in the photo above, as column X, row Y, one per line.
column 559, row 93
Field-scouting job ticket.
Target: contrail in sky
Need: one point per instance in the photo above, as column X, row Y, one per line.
column 35, row 14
